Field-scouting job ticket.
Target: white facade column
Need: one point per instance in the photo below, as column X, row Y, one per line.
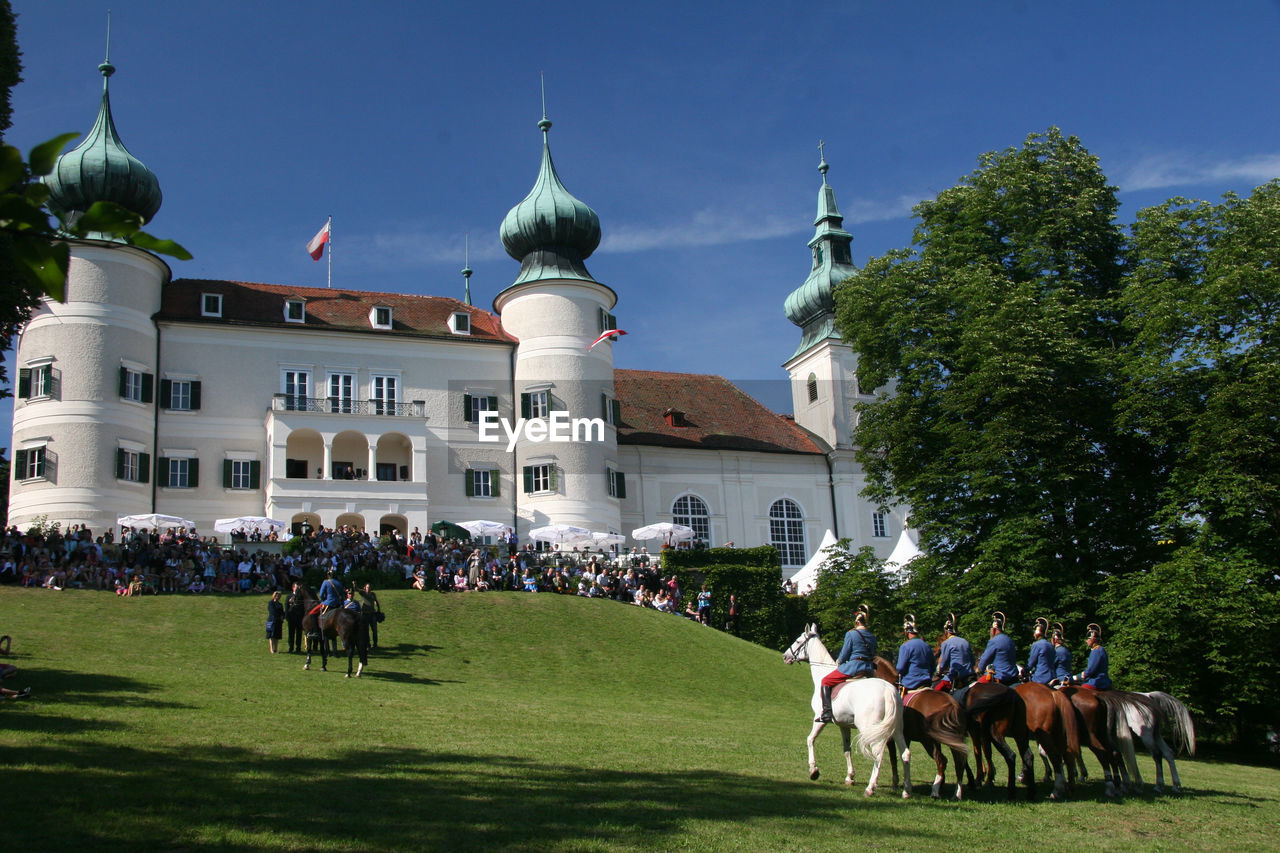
column 326, row 471
column 373, row 462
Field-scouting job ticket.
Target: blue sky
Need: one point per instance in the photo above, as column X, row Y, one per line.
column 691, row 129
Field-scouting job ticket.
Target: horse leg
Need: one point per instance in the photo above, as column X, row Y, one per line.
column 962, row 767
column 906, row 763
column 1010, row 760
column 846, row 741
column 940, row 769
column 813, row 762
column 893, row 761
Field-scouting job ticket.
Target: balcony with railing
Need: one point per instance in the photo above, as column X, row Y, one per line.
column 347, row 406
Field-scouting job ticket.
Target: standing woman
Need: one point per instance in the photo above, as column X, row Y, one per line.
column 275, row 621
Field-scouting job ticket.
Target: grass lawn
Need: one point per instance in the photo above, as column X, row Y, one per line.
column 489, row 721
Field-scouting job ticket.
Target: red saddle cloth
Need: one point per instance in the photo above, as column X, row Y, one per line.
column 912, row 694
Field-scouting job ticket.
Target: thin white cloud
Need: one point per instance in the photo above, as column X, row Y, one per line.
column 1175, row 170
column 415, row 249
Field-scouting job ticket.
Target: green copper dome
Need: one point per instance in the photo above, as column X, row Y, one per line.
column 100, row 168
column 551, row 233
column 812, row 305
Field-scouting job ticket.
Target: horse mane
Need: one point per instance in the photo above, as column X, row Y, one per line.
column 307, row 594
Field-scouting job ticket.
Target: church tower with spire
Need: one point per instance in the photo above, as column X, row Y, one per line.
column 85, row 414
column 557, row 309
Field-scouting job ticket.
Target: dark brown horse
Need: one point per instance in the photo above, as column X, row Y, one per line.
column 935, row 720
column 1095, row 728
column 1051, row 720
column 338, row 623
column 996, row 712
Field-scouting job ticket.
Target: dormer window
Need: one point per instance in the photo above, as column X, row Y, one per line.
column 211, row 305
column 295, row 311
column 460, row 323
column 380, row 317
column 674, row 418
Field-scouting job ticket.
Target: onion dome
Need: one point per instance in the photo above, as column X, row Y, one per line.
column 551, row 233
column 100, row 168
column 812, row 305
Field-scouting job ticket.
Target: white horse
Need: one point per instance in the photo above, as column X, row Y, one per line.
column 1143, row 714
column 871, row 705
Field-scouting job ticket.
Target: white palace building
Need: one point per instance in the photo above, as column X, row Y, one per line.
column 208, row 399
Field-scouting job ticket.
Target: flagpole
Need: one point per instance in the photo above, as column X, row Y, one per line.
column 329, row 225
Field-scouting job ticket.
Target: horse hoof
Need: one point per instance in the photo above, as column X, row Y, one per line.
column 813, row 773
column 306, row 666
column 348, row 675
column 848, row 782
column 868, row 792
column 933, row 795
column 1157, row 791
column 906, row 795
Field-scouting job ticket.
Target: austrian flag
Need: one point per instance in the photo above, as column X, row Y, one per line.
column 316, row 247
column 607, row 335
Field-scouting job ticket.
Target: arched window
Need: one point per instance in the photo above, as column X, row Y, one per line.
column 786, row 531
column 691, row 511
column 813, row 387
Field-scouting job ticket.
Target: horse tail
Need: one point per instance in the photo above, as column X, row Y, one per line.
column 950, row 728
column 1179, row 718
column 1067, row 712
column 873, row 737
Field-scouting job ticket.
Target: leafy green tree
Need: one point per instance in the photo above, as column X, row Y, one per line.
column 994, row 340
column 847, row 580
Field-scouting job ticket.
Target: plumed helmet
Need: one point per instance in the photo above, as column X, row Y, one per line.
column 998, row 620
column 863, row 616
column 1058, row 631
column 909, row 624
column 1042, row 625
column 1093, row 631
column 949, row 627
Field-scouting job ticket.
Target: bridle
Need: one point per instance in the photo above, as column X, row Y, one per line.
column 799, row 650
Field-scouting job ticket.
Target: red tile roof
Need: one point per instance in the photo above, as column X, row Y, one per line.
column 245, row 302
column 718, row 414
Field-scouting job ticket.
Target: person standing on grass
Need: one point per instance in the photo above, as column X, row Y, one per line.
column 293, row 609
column 371, row 612
column 275, row 622
column 704, row 605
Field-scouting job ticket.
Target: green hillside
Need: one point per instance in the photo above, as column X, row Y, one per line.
column 487, row 721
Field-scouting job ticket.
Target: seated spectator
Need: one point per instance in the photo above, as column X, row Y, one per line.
column 197, row 585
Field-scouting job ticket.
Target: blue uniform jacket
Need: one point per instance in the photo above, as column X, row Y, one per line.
column 915, row 663
column 955, row 658
column 1061, row 662
column 858, row 653
column 1095, row 671
column 331, row 593
column 1001, row 652
column 1040, row 661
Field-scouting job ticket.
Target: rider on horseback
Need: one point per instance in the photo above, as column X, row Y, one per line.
column 1000, row 654
column 856, row 660
column 330, row 595
column 1040, row 658
column 1095, row 675
column 915, row 658
column 955, row 658
column 1061, row 657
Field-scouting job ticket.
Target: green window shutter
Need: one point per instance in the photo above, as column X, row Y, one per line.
column 604, row 405
column 193, row 472
column 124, row 380
column 195, row 396
column 119, row 463
column 620, row 481
column 528, row 479
column 148, row 387
column 255, row 474
column 19, row 464
column 144, row 467
column 466, row 407
column 162, row 471
column 617, row 411
column 551, row 476
column 24, row 383
column 493, row 404
column 526, row 406
column 226, row 473
column 470, row 482
column 166, row 393
column 494, row 480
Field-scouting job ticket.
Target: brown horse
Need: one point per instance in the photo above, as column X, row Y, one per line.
column 1093, row 721
column 935, row 720
column 338, row 623
column 995, row 712
column 1051, row 720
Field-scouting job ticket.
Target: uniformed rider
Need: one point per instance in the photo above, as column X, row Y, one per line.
column 955, row 658
column 1000, row 654
column 915, row 658
column 1040, row 658
column 1061, row 656
column 1096, row 675
column 856, row 660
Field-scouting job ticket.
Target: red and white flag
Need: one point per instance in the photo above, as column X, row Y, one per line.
column 316, row 247
column 607, row 335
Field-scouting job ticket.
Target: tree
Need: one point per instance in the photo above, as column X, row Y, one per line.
column 994, row 340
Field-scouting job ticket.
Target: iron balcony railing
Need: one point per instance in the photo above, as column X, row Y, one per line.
column 341, row 406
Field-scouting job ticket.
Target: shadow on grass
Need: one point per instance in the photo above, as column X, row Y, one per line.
column 405, row 677
column 407, row 799
column 403, row 650
column 68, row 688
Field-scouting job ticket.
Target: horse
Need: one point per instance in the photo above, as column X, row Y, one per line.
column 1144, row 714
column 338, row 623
column 995, row 712
column 933, row 719
column 1093, row 720
column 1051, row 720
column 869, row 704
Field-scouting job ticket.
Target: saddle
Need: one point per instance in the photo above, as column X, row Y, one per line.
column 908, row 695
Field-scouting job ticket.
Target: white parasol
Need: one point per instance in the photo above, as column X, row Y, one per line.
column 155, row 520
column 561, row 534
column 248, row 524
column 664, row 530
column 480, row 527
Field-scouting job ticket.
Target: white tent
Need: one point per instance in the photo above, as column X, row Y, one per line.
column 807, row 578
column 903, row 553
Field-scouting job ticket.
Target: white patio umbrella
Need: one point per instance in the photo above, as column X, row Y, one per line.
column 249, row 524
column 561, row 534
column 664, row 530
column 480, row 527
column 155, row 520
column 604, row 540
